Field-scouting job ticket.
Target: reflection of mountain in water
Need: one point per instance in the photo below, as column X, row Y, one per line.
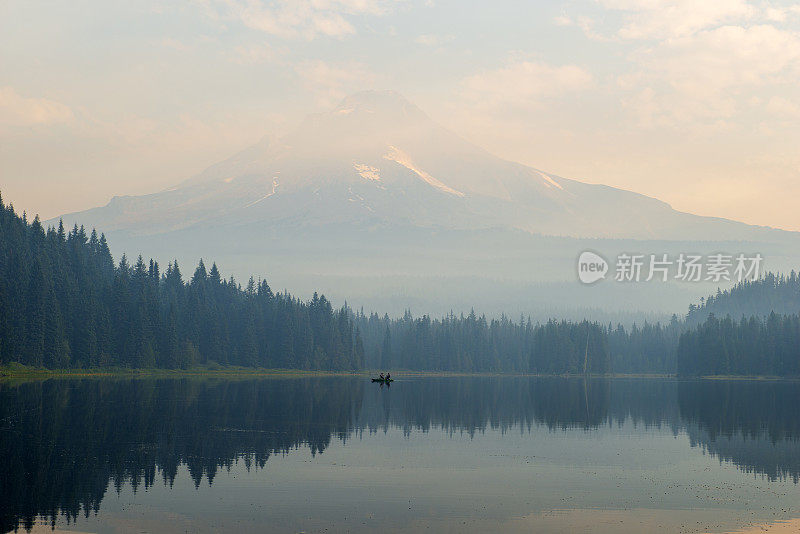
column 63, row 441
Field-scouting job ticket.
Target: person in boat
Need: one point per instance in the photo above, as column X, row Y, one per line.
column 381, row 377
column 388, row 376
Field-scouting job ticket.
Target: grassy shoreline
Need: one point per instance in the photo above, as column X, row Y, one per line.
column 21, row 371
column 17, row 371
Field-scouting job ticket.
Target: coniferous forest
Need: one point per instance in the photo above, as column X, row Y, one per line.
column 65, row 303
column 770, row 293
column 751, row 329
column 476, row 344
column 750, row 346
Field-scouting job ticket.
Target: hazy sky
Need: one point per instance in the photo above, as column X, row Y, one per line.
column 694, row 102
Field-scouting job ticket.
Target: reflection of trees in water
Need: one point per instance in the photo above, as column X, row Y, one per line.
column 475, row 404
column 776, row 460
column 752, row 424
column 63, row 441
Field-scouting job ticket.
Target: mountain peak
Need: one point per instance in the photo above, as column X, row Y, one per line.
column 379, row 103
column 377, row 155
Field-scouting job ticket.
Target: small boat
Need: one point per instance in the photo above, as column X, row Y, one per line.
column 383, row 380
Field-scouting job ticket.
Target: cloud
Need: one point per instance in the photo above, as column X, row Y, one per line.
column 307, row 19
column 696, row 64
column 17, row 110
column 783, row 107
column 253, row 54
column 563, row 20
column 718, row 59
column 710, row 75
column 773, row 14
column 433, row 40
column 585, row 24
column 176, row 44
column 525, row 83
column 660, row 19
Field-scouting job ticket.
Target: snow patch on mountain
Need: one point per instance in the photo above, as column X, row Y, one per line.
column 361, row 200
column 367, row 172
column 462, row 188
column 398, row 156
column 274, row 190
column 549, row 181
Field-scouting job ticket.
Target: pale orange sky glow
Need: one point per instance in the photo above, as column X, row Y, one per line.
column 696, row 104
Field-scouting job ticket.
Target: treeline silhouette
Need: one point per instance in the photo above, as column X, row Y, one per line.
column 750, row 329
column 770, row 293
column 63, row 303
column 649, row 348
column 708, row 341
column 476, row 344
column 766, row 343
column 66, row 443
column 765, row 340
column 754, row 346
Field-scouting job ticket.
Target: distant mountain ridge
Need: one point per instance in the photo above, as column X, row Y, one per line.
column 376, row 202
column 378, row 160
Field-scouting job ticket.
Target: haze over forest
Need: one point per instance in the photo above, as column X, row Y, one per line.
column 375, row 202
column 359, row 149
column 399, row 265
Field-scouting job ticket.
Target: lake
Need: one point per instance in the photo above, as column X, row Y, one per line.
column 437, row 454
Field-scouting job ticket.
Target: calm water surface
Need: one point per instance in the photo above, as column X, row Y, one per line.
column 426, row 454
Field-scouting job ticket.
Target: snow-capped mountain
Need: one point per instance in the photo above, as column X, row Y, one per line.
column 377, row 159
column 375, row 198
